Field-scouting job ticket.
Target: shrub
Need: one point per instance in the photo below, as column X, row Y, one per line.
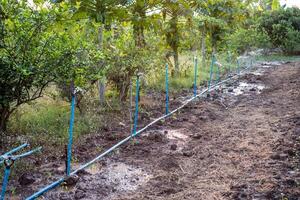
column 291, row 43
column 244, row 39
column 283, row 27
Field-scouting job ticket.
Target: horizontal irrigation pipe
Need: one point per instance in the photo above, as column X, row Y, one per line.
column 8, row 159
column 4, row 156
column 61, row 180
column 27, row 153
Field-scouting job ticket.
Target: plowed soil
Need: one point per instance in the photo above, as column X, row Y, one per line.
column 242, row 146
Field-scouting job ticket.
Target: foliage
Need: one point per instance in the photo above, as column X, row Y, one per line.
column 47, row 122
column 86, row 41
column 34, row 52
column 246, row 39
column 283, row 28
column 278, row 57
column 219, row 16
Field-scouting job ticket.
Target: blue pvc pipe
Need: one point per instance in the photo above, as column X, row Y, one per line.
column 130, row 107
column 211, row 71
column 5, row 182
column 27, row 153
column 8, row 168
column 136, row 106
column 61, row 180
column 44, row 190
column 238, row 66
column 218, row 74
column 195, row 75
column 229, row 60
column 14, row 150
column 167, row 89
column 2, row 157
column 69, row 151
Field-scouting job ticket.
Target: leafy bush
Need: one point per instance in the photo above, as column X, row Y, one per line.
column 283, row 28
column 292, row 41
column 35, row 50
column 125, row 60
column 244, row 39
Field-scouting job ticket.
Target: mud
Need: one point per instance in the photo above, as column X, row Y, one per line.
column 236, row 145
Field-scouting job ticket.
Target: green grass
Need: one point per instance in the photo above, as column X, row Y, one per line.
column 19, row 167
column 47, row 122
column 185, row 79
column 278, row 57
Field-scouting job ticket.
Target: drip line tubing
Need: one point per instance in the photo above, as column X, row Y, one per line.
column 82, row 167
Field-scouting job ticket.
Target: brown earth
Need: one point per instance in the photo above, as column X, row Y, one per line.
column 231, row 147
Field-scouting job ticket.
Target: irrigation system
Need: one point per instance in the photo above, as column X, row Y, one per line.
column 8, row 159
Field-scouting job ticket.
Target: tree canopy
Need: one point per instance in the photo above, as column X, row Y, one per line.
column 82, row 41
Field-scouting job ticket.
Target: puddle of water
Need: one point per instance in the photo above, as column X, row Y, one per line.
column 94, row 169
column 246, row 87
column 274, row 63
column 176, row 135
column 109, row 181
column 125, row 177
column 266, row 66
column 258, row 72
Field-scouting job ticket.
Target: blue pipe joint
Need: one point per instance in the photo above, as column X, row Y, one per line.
column 136, row 106
column 8, row 164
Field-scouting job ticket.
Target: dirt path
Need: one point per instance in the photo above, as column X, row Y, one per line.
column 247, row 151
column 232, row 147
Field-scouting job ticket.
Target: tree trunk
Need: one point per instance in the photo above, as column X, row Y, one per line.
column 175, row 42
column 5, row 113
column 100, row 36
column 139, row 37
column 176, row 61
column 101, row 83
column 102, row 91
column 123, row 90
column 214, row 44
column 214, row 49
column 138, row 23
column 203, row 47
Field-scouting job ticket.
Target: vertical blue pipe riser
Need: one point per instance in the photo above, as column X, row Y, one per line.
column 136, row 106
column 218, row 74
column 238, row 66
column 5, row 182
column 211, row 71
column 195, row 75
column 58, row 182
column 130, row 110
column 229, row 62
column 69, row 151
column 167, row 89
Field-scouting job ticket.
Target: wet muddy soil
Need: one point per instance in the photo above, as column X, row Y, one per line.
column 241, row 143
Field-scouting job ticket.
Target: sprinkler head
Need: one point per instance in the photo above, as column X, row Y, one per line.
column 139, row 74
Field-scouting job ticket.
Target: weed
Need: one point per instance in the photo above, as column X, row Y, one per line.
column 47, row 122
